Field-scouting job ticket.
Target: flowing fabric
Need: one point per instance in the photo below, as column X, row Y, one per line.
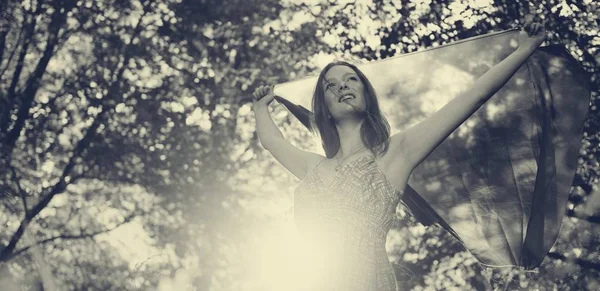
column 500, row 182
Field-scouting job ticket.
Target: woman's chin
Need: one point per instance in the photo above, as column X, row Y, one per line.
column 349, row 116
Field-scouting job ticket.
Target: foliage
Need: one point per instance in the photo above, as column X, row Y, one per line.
column 117, row 116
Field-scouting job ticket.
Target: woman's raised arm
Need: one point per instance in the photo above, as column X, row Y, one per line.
column 417, row 142
column 292, row 158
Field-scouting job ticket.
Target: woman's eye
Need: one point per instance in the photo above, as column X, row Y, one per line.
column 353, row 78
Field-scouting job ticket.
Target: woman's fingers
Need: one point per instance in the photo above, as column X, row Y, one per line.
column 527, row 26
column 262, row 91
column 539, row 29
column 533, row 28
column 258, row 93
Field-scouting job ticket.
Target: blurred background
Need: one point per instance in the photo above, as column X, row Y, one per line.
column 129, row 160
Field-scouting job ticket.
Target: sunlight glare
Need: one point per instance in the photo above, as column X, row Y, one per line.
column 285, row 256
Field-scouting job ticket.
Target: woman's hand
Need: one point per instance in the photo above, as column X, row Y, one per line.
column 263, row 95
column 531, row 36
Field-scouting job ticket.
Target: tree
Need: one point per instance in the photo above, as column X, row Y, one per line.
column 118, row 112
column 121, row 113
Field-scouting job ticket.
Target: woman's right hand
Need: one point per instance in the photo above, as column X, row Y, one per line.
column 263, row 95
column 532, row 35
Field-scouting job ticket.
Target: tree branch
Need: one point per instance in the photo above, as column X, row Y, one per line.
column 74, row 236
column 13, row 51
column 33, row 83
column 59, row 187
column 28, row 39
column 10, row 98
column 22, row 192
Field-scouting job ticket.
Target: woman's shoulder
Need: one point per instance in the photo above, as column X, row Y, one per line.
column 314, row 160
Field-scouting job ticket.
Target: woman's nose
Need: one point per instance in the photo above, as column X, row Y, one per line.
column 343, row 86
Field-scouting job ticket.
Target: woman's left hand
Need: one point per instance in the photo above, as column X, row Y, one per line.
column 532, row 35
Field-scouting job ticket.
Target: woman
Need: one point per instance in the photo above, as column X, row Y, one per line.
column 346, row 201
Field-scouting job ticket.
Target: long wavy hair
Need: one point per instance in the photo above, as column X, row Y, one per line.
column 375, row 129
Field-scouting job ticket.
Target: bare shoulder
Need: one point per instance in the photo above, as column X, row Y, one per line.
column 312, row 160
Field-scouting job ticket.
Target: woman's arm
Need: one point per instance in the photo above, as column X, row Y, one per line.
column 292, row 158
column 417, row 142
column 267, row 131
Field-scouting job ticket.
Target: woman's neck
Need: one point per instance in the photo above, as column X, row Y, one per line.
column 350, row 138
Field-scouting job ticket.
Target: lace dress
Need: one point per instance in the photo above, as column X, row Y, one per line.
column 344, row 223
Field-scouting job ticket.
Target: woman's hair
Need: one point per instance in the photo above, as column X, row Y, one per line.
column 375, row 130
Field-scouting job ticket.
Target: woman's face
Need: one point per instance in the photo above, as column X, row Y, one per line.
column 344, row 92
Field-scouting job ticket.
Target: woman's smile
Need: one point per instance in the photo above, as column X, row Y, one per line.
column 346, row 97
